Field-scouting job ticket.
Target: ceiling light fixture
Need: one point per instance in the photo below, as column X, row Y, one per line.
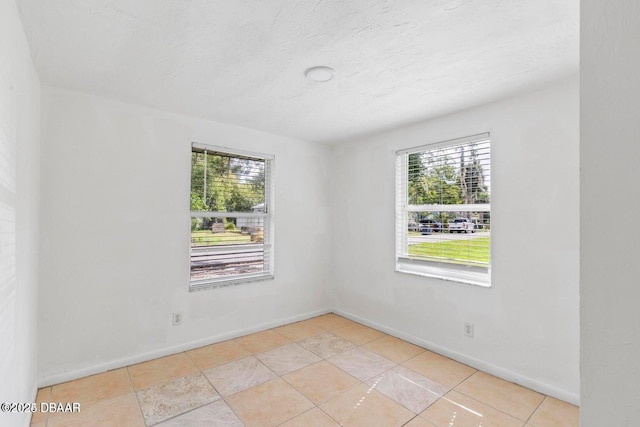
column 319, row 74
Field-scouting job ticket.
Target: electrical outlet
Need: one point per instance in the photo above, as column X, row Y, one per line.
column 177, row 318
column 468, row 329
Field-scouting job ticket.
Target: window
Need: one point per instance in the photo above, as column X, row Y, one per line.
column 231, row 226
column 443, row 210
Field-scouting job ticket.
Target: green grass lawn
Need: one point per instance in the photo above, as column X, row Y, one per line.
column 475, row 250
column 207, row 237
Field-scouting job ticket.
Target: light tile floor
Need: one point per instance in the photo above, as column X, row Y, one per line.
column 325, row 371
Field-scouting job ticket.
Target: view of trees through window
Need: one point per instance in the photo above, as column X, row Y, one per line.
column 449, row 176
column 222, row 183
column 228, row 214
column 448, row 195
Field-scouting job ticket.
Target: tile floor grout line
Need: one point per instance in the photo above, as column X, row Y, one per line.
column 274, row 330
column 165, row 382
column 186, row 412
column 224, row 399
column 332, row 397
column 135, row 393
column 462, row 381
column 329, row 415
column 491, row 406
column 544, row 396
column 191, row 358
column 412, row 418
column 537, row 407
column 210, row 383
column 297, row 415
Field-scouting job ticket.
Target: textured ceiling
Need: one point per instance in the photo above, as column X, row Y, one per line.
column 243, row 61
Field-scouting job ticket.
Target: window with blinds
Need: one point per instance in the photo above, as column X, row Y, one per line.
column 231, row 227
column 443, row 210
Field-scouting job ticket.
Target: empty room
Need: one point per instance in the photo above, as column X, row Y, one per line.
column 319, row 213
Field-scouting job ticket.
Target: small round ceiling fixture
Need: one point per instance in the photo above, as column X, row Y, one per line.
column 320, row 74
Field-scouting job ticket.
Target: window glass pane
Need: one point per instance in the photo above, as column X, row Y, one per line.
column 231, row 232
column 226, row 246
column 450, row 175
column 450, row 237
column 444, row 210
column 225, row 183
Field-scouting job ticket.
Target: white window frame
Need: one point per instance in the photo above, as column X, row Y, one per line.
column 444, row 271
column 266, row 216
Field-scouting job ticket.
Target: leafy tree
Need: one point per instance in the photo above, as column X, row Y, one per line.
column 446, row 177
column 472, row 186
column 432, row 180
column 222, row 183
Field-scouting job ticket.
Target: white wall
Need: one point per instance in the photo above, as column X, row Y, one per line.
column 115, row 236
column 115, row 227
column 609, row 162
column 19, row 194
column 526, row 324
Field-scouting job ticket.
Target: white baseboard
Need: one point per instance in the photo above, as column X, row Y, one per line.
column 482, row 365
column 60, row 377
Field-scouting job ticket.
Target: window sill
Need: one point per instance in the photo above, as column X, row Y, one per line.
column 475, row 278
column 223, row 282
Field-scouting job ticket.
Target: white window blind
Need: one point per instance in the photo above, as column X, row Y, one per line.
column 231, row 227
column 443, row 210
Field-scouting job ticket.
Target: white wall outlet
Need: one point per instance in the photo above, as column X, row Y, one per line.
column 468, row 329
column 176, row 318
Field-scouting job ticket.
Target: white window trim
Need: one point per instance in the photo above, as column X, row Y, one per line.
column 406, row 265
column 268, row 245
